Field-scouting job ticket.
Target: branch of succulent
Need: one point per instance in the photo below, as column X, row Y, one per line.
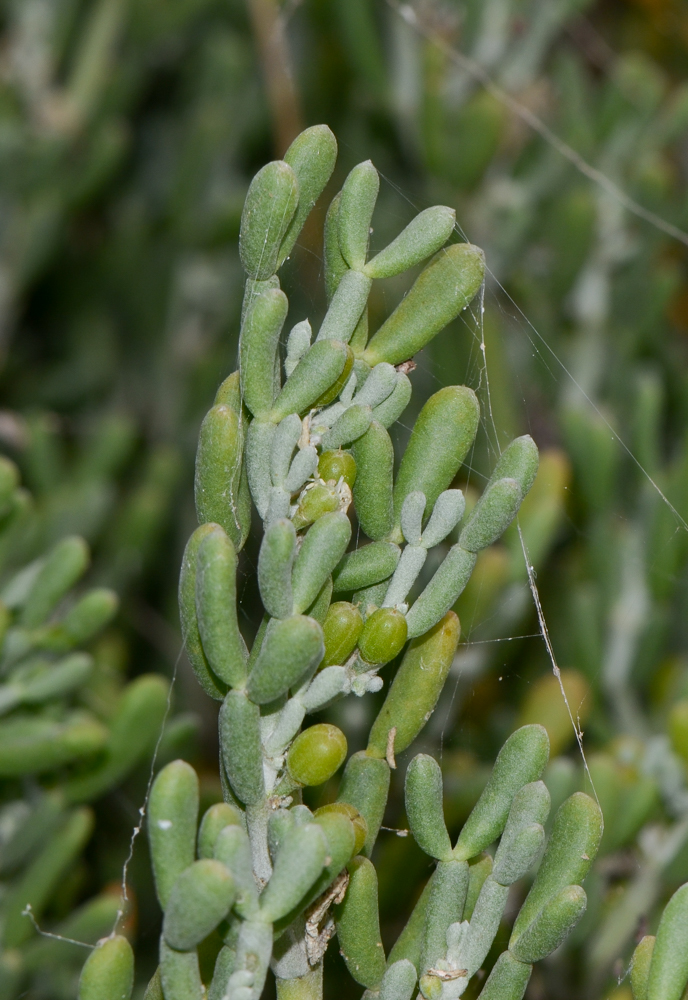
column 275, row 879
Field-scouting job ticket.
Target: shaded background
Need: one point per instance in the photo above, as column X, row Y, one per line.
column 128, row 135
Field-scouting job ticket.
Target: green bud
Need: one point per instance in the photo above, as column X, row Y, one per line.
column 669, row 965
column 233, row 849
column 365, row 786
column 350, row 426
column 32, row 744
column 316, row 754
column 492, row 515
column 423, row 791
column 640, row 967
column 214, row 821
column 573, row 844
column 348, row 302
column 292, row 647
column 240, row 746
column 217, row 482
column 300, row 859
column 318, row 378
column 438, row 295
column 399, row 982
column 358, row 822
column 201, row 897
column 312, row 156
column 358, row 198
column 191, row 635
column 268, row 210
column 172, row 818
column 416, row 687
column 108, row 973
column 358, row 926
column 179, row 974
column 320, row 552
column 134, row 729
column 423, row 237
column 439, row 442
column 341, row 630
column 258, row 350
column 552, row 925
column 449, row 883
column 508, row 980
column 335, row 265
column 275, row 561
column 216, row 602
column 374, row 456
column 317, row 499
column 64, row 565
column 441, row 592
column 366, row 566
column 336, row 465
column 521, row 760
column 383, row 636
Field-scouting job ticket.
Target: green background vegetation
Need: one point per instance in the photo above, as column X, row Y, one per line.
column 128, row 135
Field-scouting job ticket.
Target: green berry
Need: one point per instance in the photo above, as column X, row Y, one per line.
column 359, row 824
column 336, row 465
column 316, row 754
column 341, row 630
column 383, row 635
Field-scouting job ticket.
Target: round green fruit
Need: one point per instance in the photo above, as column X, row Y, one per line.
column 335, row 465
column 341, row 630
column 383, row 635
column 359, row 824
column 316, row 754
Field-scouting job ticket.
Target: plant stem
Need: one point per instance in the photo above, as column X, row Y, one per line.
column 271, row 39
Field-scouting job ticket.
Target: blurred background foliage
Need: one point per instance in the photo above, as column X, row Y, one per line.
column 128, row 134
